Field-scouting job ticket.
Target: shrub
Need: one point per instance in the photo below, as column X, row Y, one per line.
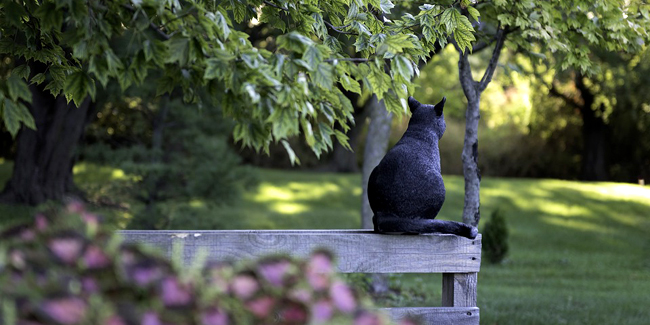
column 495, row 238
column 67, row 269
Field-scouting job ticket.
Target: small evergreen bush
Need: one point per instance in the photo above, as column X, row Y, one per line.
column 67, row 269
column 495, row 238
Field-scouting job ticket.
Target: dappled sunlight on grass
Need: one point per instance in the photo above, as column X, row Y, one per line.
column 561, row 209
column 87, row 172
column 573, row 223
column 289, row 208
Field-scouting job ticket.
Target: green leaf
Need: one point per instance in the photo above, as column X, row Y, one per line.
column 379, row 82
column 386, row 6
column 403, row 66
column 350, row 84
column 222, row 25
column 21, row 71
column 18, row 89
column 294, row 41
column 14, row 113
column 394, row 104
column 396, row 43
column 313, row 56
column 292, row 155
column 154, row 50
column 166, row 84
column 178, row 50
column 38, row 78
column 450, row 18
column 323, row 76
column 342, row 139
column 114, row 63
column 214, row 69
column 49, row 17
column 77, row 87
column 8, row 115
column 474, row 13
column 464, row 38
column 309, row 132
column 252, row 92
column 98, row 67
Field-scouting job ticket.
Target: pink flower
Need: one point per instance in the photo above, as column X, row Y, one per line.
column 75, row 207
column 41, row 222
column 318, row 271
column 174, row 293
column 144, row 275
column 150, row 318
column 90, row 218
column 322, row 311
column 342, row 297
column 274, row 272
column 244, row 286
column 27, row 235
column 407, row 321
column 67, row 249
column 65, row 310
column 367, row 319
column 214, row 316
column 301, row 295
column 321, row 263
column 261, row 307
column 89, row 285
column 17, row 259
column 114, row 320
column 94, row 258
column 294, row 313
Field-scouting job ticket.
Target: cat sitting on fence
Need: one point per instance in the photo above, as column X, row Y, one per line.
column 406, row 190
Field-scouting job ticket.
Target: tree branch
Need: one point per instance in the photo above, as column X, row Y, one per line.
column 269, row 3
column 470, row 86
column 347, row 59
column 489, row 72
column 151, row 25
column 334, row 28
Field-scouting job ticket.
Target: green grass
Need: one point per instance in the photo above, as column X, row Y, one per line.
column 578, row 251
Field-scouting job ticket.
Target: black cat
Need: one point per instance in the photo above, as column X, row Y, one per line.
column 406, row 190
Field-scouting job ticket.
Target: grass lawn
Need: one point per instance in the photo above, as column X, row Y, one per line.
column 578, row 251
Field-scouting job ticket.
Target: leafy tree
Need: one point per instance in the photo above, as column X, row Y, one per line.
column 567, row 30
column 612, row 114
column 62, row 51
column 172, row 154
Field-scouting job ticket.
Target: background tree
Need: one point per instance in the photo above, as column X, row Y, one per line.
column 567, row 30
column 62, row 48
column 173, row 153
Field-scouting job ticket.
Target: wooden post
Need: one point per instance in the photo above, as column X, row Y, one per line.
column 459, row 289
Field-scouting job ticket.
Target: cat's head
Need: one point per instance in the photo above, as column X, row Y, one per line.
column 428, row 116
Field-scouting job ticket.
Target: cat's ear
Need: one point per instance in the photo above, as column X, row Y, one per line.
column 440, row 106
column 413, row 104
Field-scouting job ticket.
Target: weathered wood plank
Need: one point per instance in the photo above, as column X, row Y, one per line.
column 459, row 289
column 359, row 251
column 437, row 315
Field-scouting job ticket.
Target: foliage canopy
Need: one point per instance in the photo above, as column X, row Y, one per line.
column 294, row 84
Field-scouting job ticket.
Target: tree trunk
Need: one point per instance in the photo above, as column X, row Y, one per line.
column 471, row 209
column 594, row 136
column 376, row 146
column 45, row 157
column 472, row 90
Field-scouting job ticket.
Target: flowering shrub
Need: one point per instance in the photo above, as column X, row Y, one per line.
column 65, row 268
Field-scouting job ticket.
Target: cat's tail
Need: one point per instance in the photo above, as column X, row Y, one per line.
column 392, row 224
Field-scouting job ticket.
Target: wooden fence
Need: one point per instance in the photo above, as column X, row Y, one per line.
column 357, row 251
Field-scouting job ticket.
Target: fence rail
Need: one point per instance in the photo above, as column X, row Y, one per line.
column 357, row 251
